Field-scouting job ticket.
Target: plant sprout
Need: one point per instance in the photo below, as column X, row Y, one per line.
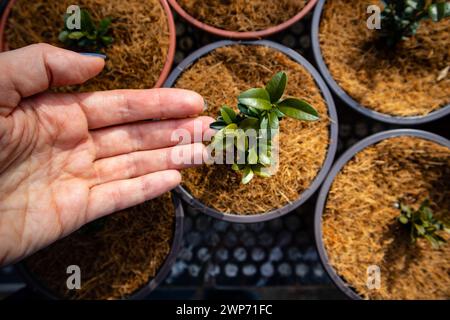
column 422, row 224
column 89, row 36
column 400, row 19
column 260, row 111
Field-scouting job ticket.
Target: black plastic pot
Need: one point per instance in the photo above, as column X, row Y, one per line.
column 193, row 202
column 323, row 195
column 415, row 120
column 141, row 293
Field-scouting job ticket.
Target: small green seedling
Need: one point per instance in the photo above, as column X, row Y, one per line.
column 260, row 110
column 422, row 224
column 400, row 19
column 89, row 37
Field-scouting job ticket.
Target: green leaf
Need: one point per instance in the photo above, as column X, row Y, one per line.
column 247, row 175
column 228, row 114
column 439, row 11
column 298, row 109
column 276, row 86
column 264, row 123
column 273, row 120
column 264, row 159
column 218, row 125
column 77, row 35
column 86, row 22
column 261, row 171
column 249, row 123
column 107, row 40
column 403, row 219
column 63, row 36
column 256, row 98
column 237, row 167
column 104, row 26
column 252, row 156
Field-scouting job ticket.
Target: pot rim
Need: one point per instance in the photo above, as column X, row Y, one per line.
column 239, row 34
column 333, row 134
column 170, row 53
column 143, row 291
column 337, row 167
column 336, row 88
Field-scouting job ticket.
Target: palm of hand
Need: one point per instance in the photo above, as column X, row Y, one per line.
column 67, row 159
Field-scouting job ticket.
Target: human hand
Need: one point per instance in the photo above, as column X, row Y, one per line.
column 68, row 159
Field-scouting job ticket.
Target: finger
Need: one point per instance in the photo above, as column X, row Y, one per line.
column 136, row 164
column 33, row 69
column 142, row 136
column 118, row 195
column 114, row 107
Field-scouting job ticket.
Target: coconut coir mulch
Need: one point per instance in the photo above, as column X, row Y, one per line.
column 219, row 77
column 398, row 82
column 360, row 227
column 117, row 255
column 140, row 30
column 242, row 15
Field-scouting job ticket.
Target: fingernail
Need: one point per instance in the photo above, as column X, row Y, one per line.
column 91, row 54
column 205, row 105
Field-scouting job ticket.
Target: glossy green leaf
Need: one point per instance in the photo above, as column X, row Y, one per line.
column 298, row 109
column 228, row 114
column 256, row 98
column 273, row 120
column 276, row 86
column 218, row 125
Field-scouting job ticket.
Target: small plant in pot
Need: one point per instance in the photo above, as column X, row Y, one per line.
column 137, row 37
column 242, row 19
column 122, row 256
column 386, row 59
column 382, row 217
column 240, row 76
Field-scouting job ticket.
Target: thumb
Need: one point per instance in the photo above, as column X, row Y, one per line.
column 33, row 69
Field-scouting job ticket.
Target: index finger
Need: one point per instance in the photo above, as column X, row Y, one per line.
column 107, row 108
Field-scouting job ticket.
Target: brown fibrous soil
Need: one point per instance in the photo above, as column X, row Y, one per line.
column 399, row 82
column 117, row 255
column 360, row 226
column 242, row 15
column 140, row 31
column 219, row 77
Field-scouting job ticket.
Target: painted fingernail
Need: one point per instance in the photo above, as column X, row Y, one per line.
column 205, row 105
column 91, row 54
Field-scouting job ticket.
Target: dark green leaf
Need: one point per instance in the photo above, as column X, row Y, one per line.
column 249, row 123
column 218, row 125
column 276, row 86
column 256, row 98
column 298, row 109
column 228, row 114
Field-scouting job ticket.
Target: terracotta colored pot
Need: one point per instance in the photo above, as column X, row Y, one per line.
column 172, row 38
column 247, row 34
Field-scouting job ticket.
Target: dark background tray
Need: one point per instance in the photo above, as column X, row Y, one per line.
column 271, row 260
